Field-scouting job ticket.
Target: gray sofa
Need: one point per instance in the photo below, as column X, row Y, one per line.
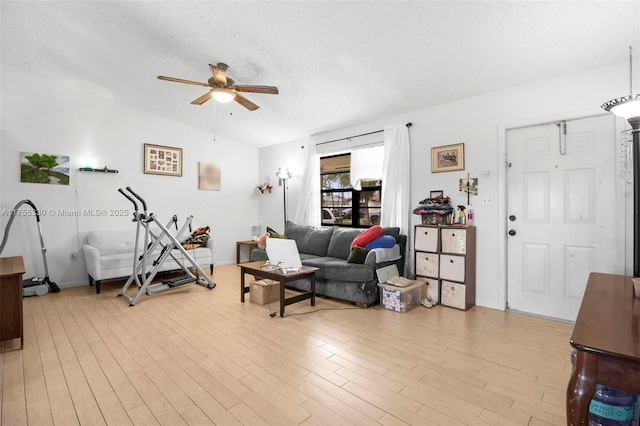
column 328, row 249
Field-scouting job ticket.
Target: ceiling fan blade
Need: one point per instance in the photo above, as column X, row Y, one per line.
column 219, row 74
column 272, row 90
column 202, row 99
column 245, row 102
column 180, row 80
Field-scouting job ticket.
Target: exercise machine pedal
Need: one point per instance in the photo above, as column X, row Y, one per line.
column 177, row 282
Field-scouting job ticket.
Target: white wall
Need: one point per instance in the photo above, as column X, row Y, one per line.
column 289, row 155
column 68, row 118
column 479, row 122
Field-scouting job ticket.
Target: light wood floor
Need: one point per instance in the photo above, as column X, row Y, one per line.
column 196, row 356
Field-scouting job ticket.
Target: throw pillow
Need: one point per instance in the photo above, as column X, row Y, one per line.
column 383, row 241
column 358, row 255
column 367, row 236
column 197, row 239
column 275, row 234
column 262, row 241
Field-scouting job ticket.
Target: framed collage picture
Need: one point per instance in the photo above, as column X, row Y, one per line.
column 162, row 160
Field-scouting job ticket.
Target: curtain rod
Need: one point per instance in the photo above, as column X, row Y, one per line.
column 357, row 136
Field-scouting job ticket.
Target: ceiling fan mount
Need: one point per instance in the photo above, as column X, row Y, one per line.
column 223, row 88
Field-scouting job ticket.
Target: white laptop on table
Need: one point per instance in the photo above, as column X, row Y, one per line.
column 284, row 253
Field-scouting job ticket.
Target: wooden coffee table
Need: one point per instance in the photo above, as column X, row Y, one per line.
column 255, row 269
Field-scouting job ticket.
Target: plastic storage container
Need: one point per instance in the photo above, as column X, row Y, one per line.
column 400, row 299
column 611, row 407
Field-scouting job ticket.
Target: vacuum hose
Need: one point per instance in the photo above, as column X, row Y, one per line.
column 53, row 286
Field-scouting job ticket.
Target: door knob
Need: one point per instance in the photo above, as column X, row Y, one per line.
column 512, row 218
column 512, row 232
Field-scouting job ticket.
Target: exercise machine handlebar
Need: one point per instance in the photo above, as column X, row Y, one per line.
column 144, row 204
column 135, row 205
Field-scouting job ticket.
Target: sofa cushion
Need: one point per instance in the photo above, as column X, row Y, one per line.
column 309, row 239
column 391, row 230
column 358, row 255
column 340, row 244
column 383, row 241
column 339, row 270
column 108, row 242
column 272, row 233
column 365, row 237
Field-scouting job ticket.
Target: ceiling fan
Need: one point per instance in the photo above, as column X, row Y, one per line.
column 224, row 89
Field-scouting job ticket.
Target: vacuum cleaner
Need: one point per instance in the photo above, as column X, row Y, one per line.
column 32, row 286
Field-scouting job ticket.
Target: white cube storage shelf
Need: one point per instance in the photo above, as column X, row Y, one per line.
column 445, row 259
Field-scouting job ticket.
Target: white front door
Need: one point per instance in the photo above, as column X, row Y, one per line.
column 565, row 215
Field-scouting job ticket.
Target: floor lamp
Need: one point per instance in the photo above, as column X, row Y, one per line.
column 283, row 175
column 628, row 107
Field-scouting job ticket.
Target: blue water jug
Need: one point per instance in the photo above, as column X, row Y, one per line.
column 611, row 407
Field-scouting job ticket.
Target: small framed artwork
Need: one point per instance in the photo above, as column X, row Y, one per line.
column 436, row 194
column 162, row 160
column 209, row 176
column 447, row 158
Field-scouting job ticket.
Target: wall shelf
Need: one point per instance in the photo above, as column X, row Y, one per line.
column 89, row 169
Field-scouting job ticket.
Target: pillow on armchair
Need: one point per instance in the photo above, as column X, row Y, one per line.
column 275, row 234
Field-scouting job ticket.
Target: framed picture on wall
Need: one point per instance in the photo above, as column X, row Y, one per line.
column 447, row 158
column 162, row 160
column 209, row 176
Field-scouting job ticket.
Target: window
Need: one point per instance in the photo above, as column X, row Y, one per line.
column 341, row 204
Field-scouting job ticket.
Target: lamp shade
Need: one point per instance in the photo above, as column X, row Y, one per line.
column 223, row 95
column 626, row 107
column 283, row 174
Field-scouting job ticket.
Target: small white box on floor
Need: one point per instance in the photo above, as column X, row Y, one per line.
column 264, row 291
column 400, row 299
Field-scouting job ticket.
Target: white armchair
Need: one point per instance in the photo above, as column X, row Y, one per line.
column 109, row 255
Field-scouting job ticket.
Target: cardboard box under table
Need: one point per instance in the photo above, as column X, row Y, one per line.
column 400, row 299
column 264, row 291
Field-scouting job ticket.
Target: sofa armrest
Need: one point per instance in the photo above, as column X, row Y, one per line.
column 211, row 245
column 92, row 261
column 370, row 260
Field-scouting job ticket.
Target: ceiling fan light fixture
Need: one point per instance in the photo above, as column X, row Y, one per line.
column 223, row 95
column 626, row 107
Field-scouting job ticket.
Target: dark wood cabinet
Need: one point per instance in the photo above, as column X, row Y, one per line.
column 11, row 271
column 606, row 337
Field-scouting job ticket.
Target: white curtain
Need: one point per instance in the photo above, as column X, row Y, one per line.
column 308, row 211
column 396, row 186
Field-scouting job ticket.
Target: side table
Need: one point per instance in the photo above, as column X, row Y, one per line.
column 607, row 341
column 11, row 270
column 250, row 244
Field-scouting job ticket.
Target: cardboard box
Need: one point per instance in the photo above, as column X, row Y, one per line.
column 264, row 291
column 400, row 299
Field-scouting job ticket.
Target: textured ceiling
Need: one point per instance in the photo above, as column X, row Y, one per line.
column 336, row 63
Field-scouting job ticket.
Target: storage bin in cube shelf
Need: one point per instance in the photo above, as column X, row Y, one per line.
column 400, row 299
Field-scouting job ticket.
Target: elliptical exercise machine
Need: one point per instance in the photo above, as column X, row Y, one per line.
column 167, row 243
